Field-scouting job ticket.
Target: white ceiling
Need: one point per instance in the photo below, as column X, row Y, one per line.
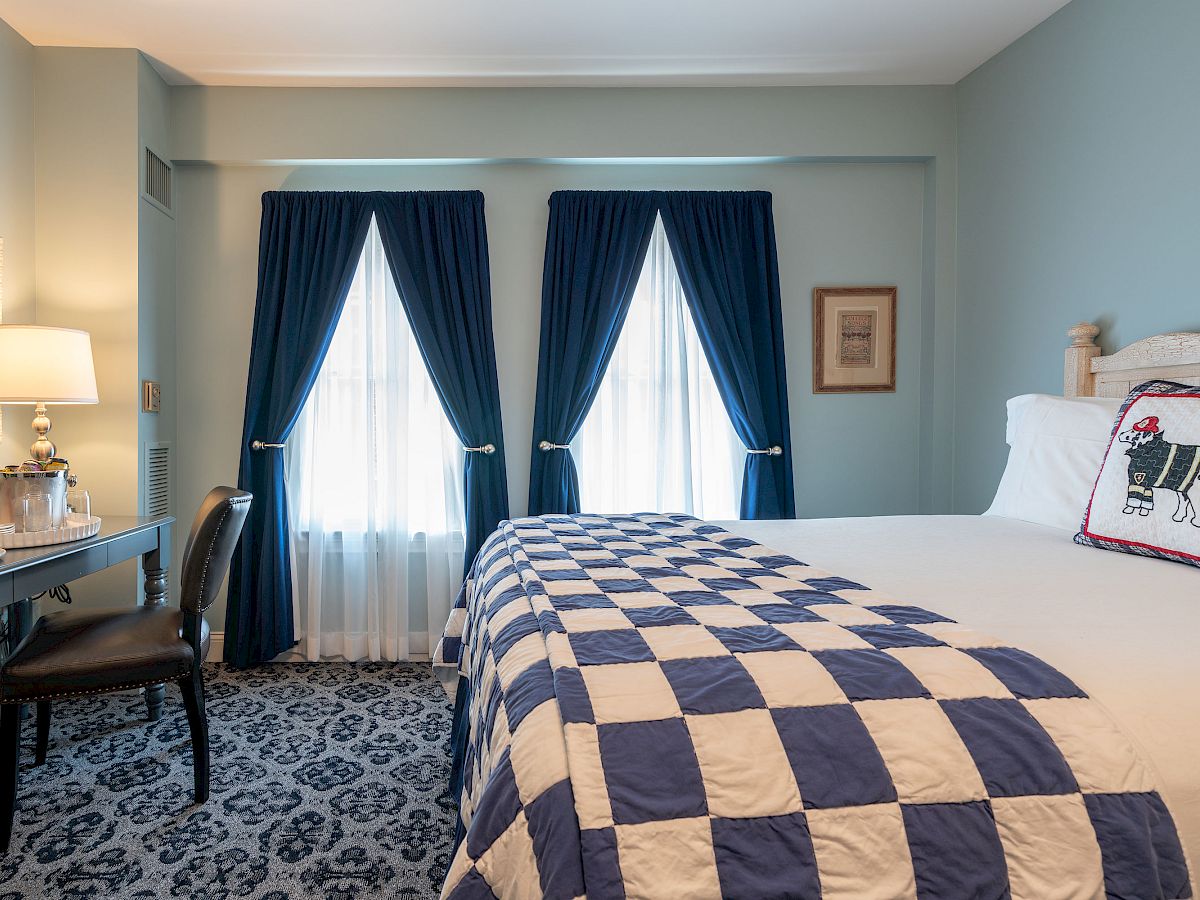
column 505, row 42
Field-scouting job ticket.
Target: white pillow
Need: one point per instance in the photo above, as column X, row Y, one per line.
column 1056, row 448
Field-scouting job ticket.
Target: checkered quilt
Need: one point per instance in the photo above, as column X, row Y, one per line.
column 659, row 708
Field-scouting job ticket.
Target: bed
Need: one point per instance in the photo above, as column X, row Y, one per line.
column 578, row 777
column 1136, row 655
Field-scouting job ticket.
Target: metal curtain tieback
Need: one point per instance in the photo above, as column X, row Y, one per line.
column 546, row 446
column 770, row 451
column 486, row 449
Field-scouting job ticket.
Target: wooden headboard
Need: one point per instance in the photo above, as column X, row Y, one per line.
column 1173, row 357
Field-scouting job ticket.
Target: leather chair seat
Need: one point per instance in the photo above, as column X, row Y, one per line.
column 96, row 651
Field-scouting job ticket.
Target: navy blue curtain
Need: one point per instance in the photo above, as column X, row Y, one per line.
column 724, row 248
column 437, row 249
column 595, row 244
column 309, row 246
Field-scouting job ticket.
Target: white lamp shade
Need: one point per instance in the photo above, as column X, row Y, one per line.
column 47, row 365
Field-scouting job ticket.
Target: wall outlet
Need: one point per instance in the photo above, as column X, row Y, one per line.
column 151, row 397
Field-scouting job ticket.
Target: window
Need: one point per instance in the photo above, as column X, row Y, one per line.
column 658, row 438
column 374, row 478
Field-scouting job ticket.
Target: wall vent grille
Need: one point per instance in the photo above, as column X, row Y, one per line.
column 158, row 479
column 158, row 180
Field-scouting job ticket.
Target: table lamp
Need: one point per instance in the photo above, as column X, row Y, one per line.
column 40, row 365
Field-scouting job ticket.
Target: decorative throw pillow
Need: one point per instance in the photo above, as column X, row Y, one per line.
column 1146, row 497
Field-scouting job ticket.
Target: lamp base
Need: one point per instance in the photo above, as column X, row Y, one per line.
column 42, row 449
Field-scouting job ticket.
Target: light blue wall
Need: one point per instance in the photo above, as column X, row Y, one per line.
column 1079, row 200
column 462, row 127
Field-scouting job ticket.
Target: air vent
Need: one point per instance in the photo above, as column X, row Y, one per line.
column 158, row 479
column 158, row 180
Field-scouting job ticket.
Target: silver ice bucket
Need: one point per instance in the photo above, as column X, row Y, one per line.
column 14, row 486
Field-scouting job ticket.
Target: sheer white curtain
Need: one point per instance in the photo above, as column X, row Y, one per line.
column 658, row 438
column 374, row 479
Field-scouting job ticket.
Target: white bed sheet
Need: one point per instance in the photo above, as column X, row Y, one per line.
column 1123, row 627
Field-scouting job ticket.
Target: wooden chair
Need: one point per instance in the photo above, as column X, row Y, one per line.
column 73, row 654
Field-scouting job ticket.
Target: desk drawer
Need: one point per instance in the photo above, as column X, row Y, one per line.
column 132, row 545
column 28, row 582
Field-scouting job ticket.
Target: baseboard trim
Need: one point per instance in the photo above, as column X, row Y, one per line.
column 216, row 651
column 216, row 646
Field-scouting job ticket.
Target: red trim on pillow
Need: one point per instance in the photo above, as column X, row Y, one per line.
column 1166, row 550
column 1087, row 517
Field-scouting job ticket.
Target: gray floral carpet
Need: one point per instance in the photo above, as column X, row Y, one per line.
column 329, row 780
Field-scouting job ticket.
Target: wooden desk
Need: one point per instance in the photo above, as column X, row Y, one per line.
column 27, row 573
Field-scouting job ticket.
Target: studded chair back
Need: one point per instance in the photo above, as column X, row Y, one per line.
column 209, row 549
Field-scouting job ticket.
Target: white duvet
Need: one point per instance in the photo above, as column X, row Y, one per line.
column 1124, row 628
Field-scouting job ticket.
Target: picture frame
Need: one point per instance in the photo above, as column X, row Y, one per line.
column 854, row 340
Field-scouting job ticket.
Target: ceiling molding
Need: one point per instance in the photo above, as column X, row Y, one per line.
column 542, row 42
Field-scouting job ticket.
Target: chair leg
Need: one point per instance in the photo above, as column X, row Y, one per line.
column 10, row 763
column 43, row 730
column 192, row 686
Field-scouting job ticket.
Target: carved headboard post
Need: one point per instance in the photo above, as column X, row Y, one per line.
column 1173, row 357
column 1078, row 380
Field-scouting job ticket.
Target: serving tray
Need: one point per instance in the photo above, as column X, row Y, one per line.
column 74, row 529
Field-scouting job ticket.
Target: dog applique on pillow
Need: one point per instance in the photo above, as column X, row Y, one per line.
column 1146, row 497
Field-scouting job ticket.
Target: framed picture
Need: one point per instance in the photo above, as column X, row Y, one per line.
column 854, row 339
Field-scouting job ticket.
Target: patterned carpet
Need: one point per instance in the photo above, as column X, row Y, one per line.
column 329, row 781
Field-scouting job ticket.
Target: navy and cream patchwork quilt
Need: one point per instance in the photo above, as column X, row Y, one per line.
column 659, row 708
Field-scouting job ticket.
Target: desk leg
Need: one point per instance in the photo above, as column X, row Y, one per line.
column 20, row 621
column 155, row 569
